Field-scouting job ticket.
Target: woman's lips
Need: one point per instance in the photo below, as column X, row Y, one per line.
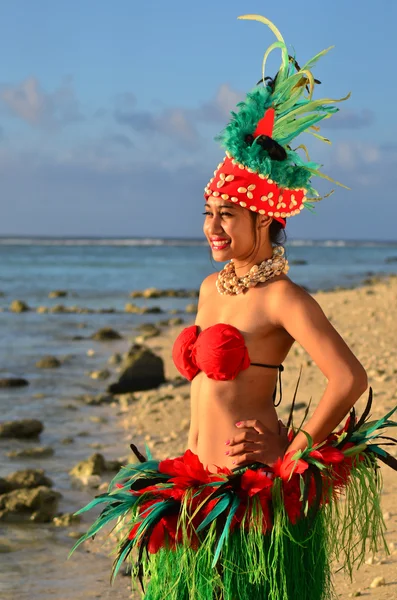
column 219, row 244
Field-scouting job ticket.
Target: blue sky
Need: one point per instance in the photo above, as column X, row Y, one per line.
column 108, row 111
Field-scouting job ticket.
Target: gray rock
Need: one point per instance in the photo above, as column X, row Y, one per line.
column 106, row 334
column 36, row 452
column 6, row 382
column 149, row 330
column 142, row 370
column 5, row 487
column 98, row 399
column 58, row 308
column 152, row 293
column 94, row 465
column 391, row 259
column 298, row 261
column 24, row 428
column 66, row 519
column 39, row 504
column 48, row 362
column 18, row 306
column 28, row 478
column 58, row 294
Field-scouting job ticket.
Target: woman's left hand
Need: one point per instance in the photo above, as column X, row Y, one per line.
column 257, row 443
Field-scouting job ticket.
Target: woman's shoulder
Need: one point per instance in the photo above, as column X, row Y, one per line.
column 208, row 283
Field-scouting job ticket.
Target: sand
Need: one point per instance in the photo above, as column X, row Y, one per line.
column 366, row 318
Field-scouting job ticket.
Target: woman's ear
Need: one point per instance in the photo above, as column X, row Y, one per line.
column 264, row 221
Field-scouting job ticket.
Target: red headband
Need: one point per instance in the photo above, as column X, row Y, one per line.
column 257, row 192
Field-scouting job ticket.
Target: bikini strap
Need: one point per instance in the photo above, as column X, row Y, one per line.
column 280, row 370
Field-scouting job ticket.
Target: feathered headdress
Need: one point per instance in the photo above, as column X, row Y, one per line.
column 261, row 171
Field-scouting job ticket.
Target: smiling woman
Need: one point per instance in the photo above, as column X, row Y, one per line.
column 251, row 510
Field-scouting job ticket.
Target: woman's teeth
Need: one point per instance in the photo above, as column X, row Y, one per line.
column 220, row 245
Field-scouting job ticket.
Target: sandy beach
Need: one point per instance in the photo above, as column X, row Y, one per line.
column 364, row 316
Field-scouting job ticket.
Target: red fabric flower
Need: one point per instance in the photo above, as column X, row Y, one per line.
column 284, row 467
column 187, row 470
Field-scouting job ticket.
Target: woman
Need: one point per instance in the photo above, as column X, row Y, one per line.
column 251, row 510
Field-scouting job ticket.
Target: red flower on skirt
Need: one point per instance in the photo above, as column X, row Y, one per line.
column 188, row 471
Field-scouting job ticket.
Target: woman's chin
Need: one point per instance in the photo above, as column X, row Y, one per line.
column 222, row 255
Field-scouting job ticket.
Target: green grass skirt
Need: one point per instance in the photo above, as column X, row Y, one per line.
column 255, row 532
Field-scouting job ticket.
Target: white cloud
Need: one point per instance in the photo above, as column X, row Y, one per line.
column 29, row 102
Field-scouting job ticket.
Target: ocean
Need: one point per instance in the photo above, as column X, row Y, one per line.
column 99, row 274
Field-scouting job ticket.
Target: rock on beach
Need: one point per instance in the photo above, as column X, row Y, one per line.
column 8, row 382
column 141, row 370
column 23, row 428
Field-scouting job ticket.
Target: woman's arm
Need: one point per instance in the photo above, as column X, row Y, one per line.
column 298, row 313
column 205, row 288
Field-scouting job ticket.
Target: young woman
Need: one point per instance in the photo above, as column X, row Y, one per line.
column 251, row 510
column 270, row 317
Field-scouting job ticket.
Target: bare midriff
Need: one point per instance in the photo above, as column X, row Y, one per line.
column 220, row 404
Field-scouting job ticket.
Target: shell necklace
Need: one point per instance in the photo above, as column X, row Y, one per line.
column 230, row 284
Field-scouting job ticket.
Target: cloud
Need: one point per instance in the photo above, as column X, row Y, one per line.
column 356, row 155
column 118, row 139
column 219, row 107
column 349, row 119
column 178, row 124
column 30, row 103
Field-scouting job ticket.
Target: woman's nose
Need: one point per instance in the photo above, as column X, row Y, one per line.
column 215, row 225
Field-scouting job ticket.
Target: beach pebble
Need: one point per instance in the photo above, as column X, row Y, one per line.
column 48, row 362
column 97, row 400
column 355, row 594
column 66, row 519
column 39, row 504
column 106, row 334
column 148, row 330
column 191, row 308
column 67, row 440
column 115, row 359
column 377, row 582
column 387, row 516
column 91, row 352
column 151, row 293
column 58, row 294
column 24, row 428
column 142, row 370
column 36, row 452
column 98, row 419
column 6, row 382
column 101, row 374
column 58, row 309
column 41, row 310
column 18, row 306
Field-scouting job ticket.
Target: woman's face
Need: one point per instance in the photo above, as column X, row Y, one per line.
column 228, row 229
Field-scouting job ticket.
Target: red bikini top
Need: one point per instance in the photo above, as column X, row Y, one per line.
column 219, row 351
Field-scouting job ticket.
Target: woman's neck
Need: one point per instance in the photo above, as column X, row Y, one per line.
column 243, row 265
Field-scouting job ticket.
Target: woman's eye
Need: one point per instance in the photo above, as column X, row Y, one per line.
column 206, row 213
column 226, row 214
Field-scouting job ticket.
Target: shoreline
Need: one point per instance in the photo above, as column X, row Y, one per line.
column 364, row 315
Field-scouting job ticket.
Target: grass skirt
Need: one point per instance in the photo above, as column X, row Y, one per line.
column 254, row 532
